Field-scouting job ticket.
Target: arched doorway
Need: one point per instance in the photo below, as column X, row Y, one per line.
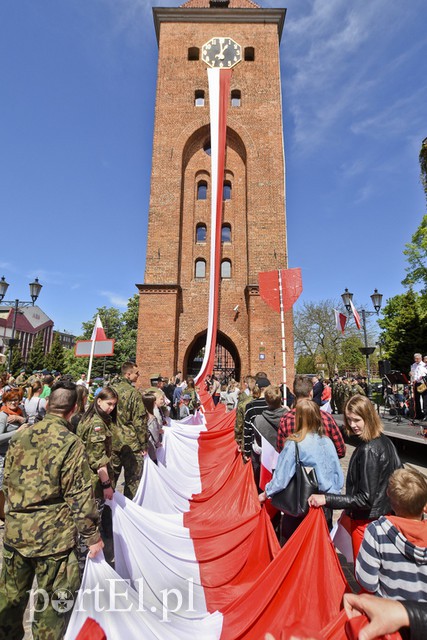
column 227, row 360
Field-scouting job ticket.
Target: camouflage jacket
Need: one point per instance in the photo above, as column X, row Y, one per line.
column 47, row 485
column 97, row 438
column 240, row 417
column 131, row 418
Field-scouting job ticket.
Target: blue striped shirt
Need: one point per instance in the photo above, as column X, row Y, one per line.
column 391, row 566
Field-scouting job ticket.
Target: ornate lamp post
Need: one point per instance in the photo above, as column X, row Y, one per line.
column 35, row 288
column 367, row 351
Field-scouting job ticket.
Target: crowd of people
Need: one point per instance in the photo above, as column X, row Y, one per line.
column 64, row 445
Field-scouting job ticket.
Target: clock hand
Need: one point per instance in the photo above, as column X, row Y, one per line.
column 220, row 55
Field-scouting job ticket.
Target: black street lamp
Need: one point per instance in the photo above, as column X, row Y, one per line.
column 35, row 288
column 367, row 351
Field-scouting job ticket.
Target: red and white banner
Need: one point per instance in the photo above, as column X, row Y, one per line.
column 196, row 555
column 219, row 97
column 356, row 315
column 98, row 332
column 340, row 321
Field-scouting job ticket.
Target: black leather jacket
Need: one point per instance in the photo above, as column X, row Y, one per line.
column 369, row 469
column 417, row 614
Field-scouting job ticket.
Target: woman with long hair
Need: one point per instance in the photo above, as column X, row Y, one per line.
column 95, row 431
column 154, row 425
column 81, row 402
column 191, row 390
column 34, row 406
column 315, row 450
column 370, row 467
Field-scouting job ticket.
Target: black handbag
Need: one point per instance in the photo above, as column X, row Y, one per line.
column 293, row 500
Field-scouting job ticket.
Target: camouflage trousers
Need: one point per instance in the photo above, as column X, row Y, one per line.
column 57, row 583
column 132, row 462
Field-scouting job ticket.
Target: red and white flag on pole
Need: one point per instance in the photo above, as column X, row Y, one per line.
column 98, row 332
column 356, row 315
column 269, row 457
column 340, row 321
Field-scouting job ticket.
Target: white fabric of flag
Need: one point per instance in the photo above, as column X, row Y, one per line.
column 154, row 555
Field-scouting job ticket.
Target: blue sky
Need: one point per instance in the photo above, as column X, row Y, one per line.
column 77, row 81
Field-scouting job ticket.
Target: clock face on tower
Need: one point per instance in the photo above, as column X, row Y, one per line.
column 221, row 52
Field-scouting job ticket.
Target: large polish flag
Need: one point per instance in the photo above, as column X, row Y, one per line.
column 196, row 555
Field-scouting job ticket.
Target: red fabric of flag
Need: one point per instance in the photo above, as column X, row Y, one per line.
column 98, row 332
column 91, row 631
column 299, row 593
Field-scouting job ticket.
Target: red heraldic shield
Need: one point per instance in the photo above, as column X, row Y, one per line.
column 269, row 288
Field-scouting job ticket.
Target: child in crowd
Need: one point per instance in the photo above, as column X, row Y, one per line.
column 184, row 410
column 392, row 561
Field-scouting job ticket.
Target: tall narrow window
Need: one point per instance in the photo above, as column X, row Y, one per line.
column 193, row 53
column 236, row 98
column 202, row 190
column 199, row 98
column 200, row 268
column 201, row 232
column 207, row 147
column 249, row 54
column 226, row 233
column 226, row 269
column 226, row 191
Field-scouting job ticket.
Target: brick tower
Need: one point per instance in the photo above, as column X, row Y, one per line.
column 174, row 298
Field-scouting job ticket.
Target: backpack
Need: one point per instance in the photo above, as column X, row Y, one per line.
column 36, row 417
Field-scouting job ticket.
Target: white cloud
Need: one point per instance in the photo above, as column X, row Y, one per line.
column 335, row 62
column 114, row 298
column 395, row 118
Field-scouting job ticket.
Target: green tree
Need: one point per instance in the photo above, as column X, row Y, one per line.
column 127, row 343
column 416, row 250
column 416, row 256
column 74, row 366
column 351, row 358
column 36, row 358
column 16, row 363
column 318, row 342
column 54, row 360
column 404, row 329
column 305, row 364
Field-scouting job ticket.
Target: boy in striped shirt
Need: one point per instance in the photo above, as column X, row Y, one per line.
column 392, row 561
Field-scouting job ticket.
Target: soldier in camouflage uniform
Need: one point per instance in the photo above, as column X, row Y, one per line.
column 242, row 401
column 95, row 430
column 49, row 500
column 21, row 379
column 130, row 439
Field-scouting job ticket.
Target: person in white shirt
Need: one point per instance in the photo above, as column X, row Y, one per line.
column 82, row 380
column 418, row 374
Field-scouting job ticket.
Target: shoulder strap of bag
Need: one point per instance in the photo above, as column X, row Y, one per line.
column 297, row 460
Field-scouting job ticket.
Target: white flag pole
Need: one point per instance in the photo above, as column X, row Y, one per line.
column 92, row 350
column 282, row 323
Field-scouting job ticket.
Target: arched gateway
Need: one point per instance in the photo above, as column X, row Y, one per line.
column 227, row 360
column 174, row 298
